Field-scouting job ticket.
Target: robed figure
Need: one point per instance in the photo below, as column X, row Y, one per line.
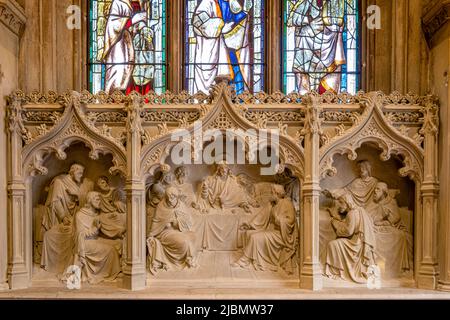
column 223, row 191
column 352, row 253
column 98, row 257
column 222, row 42
column 67, row 193
column 128, row 47
column 319, row 46
column 272, row 239
column 394, row 241
column 171, row 240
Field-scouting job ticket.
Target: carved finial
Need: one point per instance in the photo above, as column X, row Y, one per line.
column 313, row 109
column 14, row 116
column 222, row 87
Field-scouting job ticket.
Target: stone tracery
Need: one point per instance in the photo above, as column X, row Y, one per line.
column 137, row 130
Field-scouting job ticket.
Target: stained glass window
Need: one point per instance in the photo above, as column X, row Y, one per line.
column 321, row 46
column 224, row 37
column 127, row 45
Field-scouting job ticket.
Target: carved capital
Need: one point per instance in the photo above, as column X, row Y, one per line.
column 12, row 16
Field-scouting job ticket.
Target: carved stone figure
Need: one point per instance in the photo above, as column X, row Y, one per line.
column 272, row 237
column 361, row 189
column 112, row 208
column 393, row 241
column 291, row 185
column 171, row 239
column 350, row 255
column 156, row 193
column 98, row 257
column 186, row 189
column 66, row 195
column 223, row 191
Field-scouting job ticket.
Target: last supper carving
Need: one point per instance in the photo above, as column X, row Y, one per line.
column 223, row 189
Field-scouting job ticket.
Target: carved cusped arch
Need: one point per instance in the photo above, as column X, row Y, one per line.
column 223, row 115
column 374, row 129
column 71, row 128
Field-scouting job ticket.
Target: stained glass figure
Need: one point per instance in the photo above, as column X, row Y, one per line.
column 224, row 37
column 127, row 45
column 321, row 46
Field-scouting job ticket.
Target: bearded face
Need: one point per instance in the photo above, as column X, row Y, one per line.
column 77, row 174
column 378, row 194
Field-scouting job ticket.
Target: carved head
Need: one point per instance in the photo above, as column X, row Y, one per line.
column 380, row 192
column 93, row 199
column 167, row 178
column 180, row 174
column 172, row 195
column 103, row 184
column 345, row 203
column 76, row 172
column 278, row 192
column 222, row 170
column 365, row 169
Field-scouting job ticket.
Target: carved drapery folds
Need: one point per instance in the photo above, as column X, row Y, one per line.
column 308, row 131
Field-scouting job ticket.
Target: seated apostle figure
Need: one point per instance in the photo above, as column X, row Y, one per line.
column 272, row 239
column 171, row 239
column 98, row 257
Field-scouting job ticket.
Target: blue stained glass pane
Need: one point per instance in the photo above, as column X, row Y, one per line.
column 224, row 37
column 127, row 45
column 311, row 30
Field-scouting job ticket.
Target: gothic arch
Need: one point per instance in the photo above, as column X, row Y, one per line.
column 223, row 115
column 70, row 128
column 373, row 128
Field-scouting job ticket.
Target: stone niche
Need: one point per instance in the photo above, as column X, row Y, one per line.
column 393, row 213
column 77, row 153
column 218, row 237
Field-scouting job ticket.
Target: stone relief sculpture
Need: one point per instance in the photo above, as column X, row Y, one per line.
column 350, row 255
column 361, row 189
column 112, row 208
column 394, row 242
column 171, row 239
column 291, row 186
column 156, row 193
column 271, row 238
column 186, row 189
column 222, row 191
column 82, row 227
column 98, row 257
column 67, row 193
column 403, row 126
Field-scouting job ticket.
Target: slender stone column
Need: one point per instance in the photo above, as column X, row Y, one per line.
column 428, row 266
column 134, row 271
column 310, row 273
column 18, row 272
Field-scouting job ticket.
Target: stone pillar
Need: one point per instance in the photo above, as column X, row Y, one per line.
column 428, row 265
column 310, row 272
column 18, row 269
column 12, row 20
column 135, row 272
